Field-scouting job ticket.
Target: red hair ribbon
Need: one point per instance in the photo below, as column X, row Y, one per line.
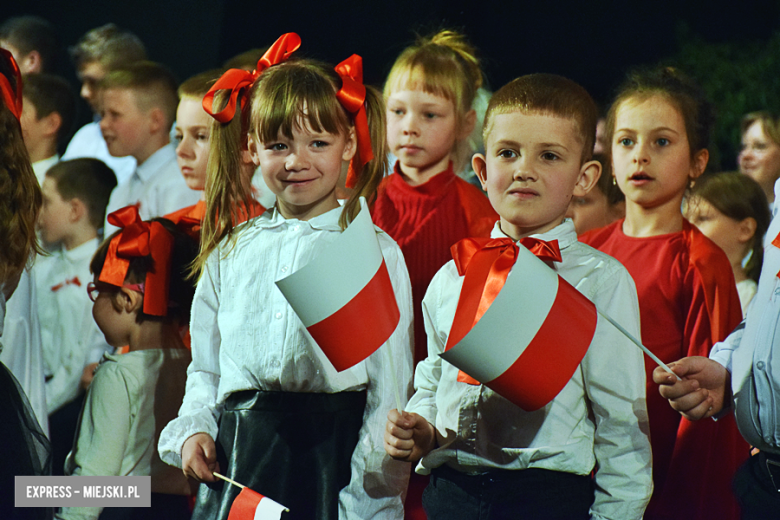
column 13, row 100
column 352, row 97
column 240, row 81
column 140, row 238
column 485, row 264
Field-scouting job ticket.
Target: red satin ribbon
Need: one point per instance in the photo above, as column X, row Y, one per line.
column 776, row 243
column 240, row 81
column 140, row 238
column 485, row 264
column 12, row 99
column 73, row 281
column 352, row 97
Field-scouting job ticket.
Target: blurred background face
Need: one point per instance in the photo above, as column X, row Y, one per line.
column 90, row 75
column 192, row 136
column 760, row 157
column 53, row 218
column 724, row 231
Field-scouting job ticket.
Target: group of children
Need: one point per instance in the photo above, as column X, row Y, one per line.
column 260, row 402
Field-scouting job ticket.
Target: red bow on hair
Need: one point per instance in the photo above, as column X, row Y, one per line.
column 140, row 238
column 13, row 100
column 485, row 264
column 240, row 81
column 73, row 281
column 352, row 97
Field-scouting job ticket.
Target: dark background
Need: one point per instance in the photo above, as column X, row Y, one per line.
column 592, row 43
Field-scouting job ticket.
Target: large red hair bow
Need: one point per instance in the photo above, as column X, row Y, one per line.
column 12, row 99
column 240, row 81
column 140, row 238
column 352, row 97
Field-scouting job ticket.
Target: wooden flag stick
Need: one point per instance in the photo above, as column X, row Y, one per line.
column 223, row 477
column 638, row 344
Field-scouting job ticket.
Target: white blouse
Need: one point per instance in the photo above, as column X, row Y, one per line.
column 245, row 336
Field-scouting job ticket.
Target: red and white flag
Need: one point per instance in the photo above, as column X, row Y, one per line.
column 251, row 505
column 344, row 296
column 529, row 341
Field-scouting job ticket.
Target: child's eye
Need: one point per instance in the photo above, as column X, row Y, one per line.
column 507, row 154
column 663, row 141
column 626, row 141
column 397, row 111
column 178, row 137
column 276, row 147
column 430, row 115
column 202, row 136
column 320, row 144
column 549, row 156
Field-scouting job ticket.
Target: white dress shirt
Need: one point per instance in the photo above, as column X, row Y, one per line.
column 70, row 337
column 752, row 354
column 88, row 142
column 598, row 420
column 23, row 353
column 245, row 336
column 41, row 167
column 157, row 186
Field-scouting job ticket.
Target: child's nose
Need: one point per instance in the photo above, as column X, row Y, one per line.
column 641, row 154
column 296, row 162
column 410, row 125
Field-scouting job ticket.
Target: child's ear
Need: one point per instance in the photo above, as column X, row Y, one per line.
column 253, row 150
column 747, row 230
column 351, row 147
column 699, row 163
column 479, row 163
column 589, row 176
column 129, row 301
column 157, row 121
column 469, row 120
column 53, row 123
column 77, row 209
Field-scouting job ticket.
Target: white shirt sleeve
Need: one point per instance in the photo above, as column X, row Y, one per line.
column 378, row 483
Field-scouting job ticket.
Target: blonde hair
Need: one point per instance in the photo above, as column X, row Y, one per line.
column 445, row 65
column 153, row 84
column 198, row 85
column 286, row 96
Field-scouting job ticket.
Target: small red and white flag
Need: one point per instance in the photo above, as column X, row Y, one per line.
column 251, row 505
column 344, row 296
column 528, row 343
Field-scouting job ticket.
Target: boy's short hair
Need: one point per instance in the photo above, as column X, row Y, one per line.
column 49, row 93
column 547, row 94
column 153, row 84
column 32, row 33
column 109, row 45
column 88, row 180
column 198, row 85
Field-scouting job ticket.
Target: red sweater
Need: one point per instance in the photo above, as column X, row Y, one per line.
column 687, row 302
column 426, row 220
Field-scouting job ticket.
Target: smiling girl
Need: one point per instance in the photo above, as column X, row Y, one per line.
column 659, row 129
column 263, row 405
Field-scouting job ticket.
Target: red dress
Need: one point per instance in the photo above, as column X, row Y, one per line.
column 688, row 301
column 425, row 221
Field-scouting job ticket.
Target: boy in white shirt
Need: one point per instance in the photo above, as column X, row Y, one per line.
column 137, row 110
column 489, row 458
column 75, row 194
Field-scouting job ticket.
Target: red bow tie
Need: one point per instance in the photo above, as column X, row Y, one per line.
column 73, row 281
column 485, row 264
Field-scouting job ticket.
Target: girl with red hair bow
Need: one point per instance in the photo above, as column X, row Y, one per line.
column 141, row 297
column 264, row 406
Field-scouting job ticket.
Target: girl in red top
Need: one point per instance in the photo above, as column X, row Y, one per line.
column 659, row 128
column 423, row 205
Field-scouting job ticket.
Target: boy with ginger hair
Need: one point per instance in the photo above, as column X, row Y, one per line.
column 138, row 108
column 489, row 458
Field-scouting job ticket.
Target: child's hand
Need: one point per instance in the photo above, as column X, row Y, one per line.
column 87, row 375
column 702, row 391
column 199, row 457
column 408, row 436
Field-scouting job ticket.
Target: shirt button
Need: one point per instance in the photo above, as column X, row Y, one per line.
column 275, row 364
column 284, row 269
column 760, row 365
column 278, row 315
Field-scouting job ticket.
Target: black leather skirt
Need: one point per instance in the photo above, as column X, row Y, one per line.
column 294, row 448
